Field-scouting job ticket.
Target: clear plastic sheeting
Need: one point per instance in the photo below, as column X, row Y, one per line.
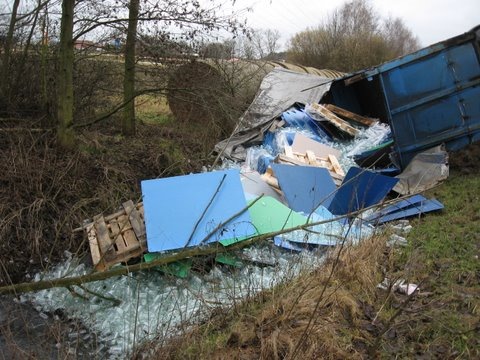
column 370, row 137
column 152, row 304
column 426, row 170
column 329, row 233
column 259, row 157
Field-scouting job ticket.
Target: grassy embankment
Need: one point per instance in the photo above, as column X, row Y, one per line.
column 338, row 312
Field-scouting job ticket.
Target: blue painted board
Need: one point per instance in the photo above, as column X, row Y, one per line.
column 416, row 209
column 301, row 120
column 173, row 207
column 305, row 187
column 283, row 243
column 398, row 206
column 360, row 189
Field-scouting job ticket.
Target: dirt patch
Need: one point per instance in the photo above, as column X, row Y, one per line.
column 466, row 160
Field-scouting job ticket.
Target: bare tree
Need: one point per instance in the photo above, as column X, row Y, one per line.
column 266, row 42
column 5, row 86
column 65, row 77
column 352, row 37
column 128, row 123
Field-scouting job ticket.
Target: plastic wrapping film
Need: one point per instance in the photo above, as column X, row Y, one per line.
column 330, row 233
column 277, row 141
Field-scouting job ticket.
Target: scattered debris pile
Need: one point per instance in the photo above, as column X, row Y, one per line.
column 289, row 165
column 313, row 162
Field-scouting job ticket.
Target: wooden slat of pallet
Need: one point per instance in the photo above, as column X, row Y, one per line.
column 137, row 222
column 362, row 120
column 131, row 240
column 336, row 165
column 289, row 152
column 104, row 241
column 117, row 236
column 107, row 218
column 335, row 120
column 123, row 222
column 311, row 158
column 337, row 177
column 287, row 160
column 94, row 246
column 271, row 180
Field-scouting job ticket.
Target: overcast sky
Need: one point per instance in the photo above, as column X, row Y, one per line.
column 430, row 20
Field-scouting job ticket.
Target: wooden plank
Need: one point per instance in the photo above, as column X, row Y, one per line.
column 94, row 246
column 334, row 119
column 289, row 152
column 302, row 143
column 117, row 236
column 130, row 240
column 311, row 158
column 319, row 158
column 105, row 243
column 336, row 165
column 126, row 256
column 286, row 160
column 123, row 222
column 359, row 119
column 137, row 223
column 270, row 179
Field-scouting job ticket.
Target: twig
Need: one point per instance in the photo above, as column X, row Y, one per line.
column 205, row 210
column 115, row 301
column 219, row 226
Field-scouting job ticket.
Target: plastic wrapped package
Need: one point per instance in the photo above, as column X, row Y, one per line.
column 258, row 158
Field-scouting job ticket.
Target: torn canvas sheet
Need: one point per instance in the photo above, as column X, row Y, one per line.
column 279, row 90
column 426, row 170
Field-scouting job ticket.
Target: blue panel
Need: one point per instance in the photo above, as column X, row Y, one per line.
column 283, row 243
column 174, row 206
column 305, row 187
column 452, row 120
column 301, row 120
column 398, row 206
column 434, row 99
column 360, row 189
column 417, row 209
column 431, row 74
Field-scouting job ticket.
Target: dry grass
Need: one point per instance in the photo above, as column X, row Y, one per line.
column 305, row 318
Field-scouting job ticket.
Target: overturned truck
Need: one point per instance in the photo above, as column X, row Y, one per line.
column 428, row 98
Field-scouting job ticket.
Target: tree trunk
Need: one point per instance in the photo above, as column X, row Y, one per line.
column 128, row 123
column 5, row 83
column 65, row 135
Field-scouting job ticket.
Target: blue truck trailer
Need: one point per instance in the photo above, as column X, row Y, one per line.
column 429, row 97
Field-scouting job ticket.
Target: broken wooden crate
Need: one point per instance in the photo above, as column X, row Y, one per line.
column 118, row 237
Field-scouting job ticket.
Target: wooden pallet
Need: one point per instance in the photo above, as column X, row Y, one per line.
column 350, row 116
column 334, row 120
column 309, row 158
column 117, row 237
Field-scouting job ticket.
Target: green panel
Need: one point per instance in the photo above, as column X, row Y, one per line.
column 179, row 269
column 269, row 215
